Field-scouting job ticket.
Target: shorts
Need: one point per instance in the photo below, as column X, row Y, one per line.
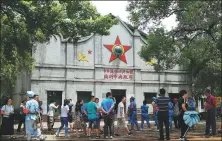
column 94, row 123
column 121, row 122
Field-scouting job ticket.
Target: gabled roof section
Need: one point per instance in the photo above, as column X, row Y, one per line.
column 131, row 28
column 81, row 39
column 128, row 26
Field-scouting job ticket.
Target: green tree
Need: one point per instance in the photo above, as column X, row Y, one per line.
column 25, row 22
column 195, row 42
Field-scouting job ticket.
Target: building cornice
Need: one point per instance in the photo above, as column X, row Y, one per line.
column 108, row 81
column 108, row 67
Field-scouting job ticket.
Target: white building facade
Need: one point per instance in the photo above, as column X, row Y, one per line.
column 100, row 64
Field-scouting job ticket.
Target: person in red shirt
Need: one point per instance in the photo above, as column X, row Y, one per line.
column 210, row 107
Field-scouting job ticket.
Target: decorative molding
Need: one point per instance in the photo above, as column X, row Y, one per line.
column 82, row 39
column 108, row 81
column 108, row 66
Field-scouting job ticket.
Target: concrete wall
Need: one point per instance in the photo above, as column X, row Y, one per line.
column 23, row 84
column 53, row 73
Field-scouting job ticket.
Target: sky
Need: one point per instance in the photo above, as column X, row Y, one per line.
column 118, row 8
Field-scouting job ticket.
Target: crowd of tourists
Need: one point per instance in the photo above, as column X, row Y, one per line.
column 87, row 117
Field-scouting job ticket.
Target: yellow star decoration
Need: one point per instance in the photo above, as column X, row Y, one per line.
column 82, row 57
column 151, row 62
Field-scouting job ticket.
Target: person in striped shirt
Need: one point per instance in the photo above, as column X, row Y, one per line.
column 163, row 114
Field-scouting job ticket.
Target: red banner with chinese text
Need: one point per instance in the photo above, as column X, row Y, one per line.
column 118, row 74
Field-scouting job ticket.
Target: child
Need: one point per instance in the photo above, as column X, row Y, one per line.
column 155, row 112
column 144, row 114
column 129, row 114
column 171, row 112
column 191, row 106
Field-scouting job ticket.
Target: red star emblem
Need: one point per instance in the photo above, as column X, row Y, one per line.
column 89, row 51
column 118, row 44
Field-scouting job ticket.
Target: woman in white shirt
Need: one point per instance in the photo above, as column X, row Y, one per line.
column 8, row 118
column 64, row 118
column 51, row 114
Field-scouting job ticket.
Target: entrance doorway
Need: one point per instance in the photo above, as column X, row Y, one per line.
column 57, row 97
column 148, row 97
column 118, row 94
column 84, row 95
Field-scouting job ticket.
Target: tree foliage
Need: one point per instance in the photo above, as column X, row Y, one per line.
column 25, row 22
column 195, row 42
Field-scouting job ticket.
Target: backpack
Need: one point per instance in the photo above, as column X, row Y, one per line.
column 176, row 110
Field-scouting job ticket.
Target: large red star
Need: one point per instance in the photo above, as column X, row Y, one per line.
column 125, row 48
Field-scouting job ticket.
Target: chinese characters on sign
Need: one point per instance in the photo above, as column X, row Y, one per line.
column 124, row 74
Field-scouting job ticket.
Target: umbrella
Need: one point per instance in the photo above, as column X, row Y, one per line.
column 190, row 118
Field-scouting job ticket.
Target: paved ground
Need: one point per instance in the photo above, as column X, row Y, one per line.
column 153, row 134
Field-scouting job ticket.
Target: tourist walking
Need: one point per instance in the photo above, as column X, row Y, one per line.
column 163, row 114
column 90, row 111
column 78, row 122
column 32, row 111
column 108, row 115
column 8, row 119
column 64, row 118
column 176, row 113
column 121, row 122
column 134, row 114
column 210, row 107
column 51, row 114
column 70, row 115
column 21, row 117
column 145, row 115
column 183, row 107
column 171, row 113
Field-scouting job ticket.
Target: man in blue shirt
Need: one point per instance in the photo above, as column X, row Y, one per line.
column 90, row 111
column 145, row 114
column 30, row 120
column 133, row 116
column 107, row 107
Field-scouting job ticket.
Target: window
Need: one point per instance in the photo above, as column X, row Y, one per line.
column 84, row 95
column 55, row 96
column 148, row 97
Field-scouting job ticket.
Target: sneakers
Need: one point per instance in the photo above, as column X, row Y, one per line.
column 183, row 139
column 111, row 137
column 67, row 136
column 57, row 134
column 97, row 137
column 106, row 137
column 130, row 133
